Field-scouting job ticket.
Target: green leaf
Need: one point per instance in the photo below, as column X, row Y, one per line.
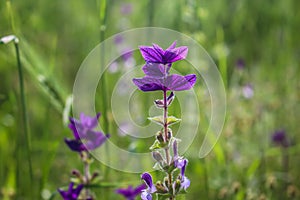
column 173, row 120
column 157, row 119
column 160, row 120
column 157, row 145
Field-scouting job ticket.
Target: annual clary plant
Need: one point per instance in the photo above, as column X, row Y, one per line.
column 158, row 77
column 86, row 138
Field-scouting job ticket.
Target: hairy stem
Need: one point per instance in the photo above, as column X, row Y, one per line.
column 87, row 177
column 166, row 137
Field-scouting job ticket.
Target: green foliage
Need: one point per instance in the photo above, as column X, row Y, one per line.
column 55, row 36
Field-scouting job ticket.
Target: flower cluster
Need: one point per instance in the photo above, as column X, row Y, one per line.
column 158, row 77
column 86, row 138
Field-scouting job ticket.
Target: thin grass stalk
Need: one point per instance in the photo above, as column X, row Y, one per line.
column 103, row 18
column 24, row 113
column 150, row 6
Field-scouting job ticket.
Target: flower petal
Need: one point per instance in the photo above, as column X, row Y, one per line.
column 158, row 49
column 95, row 140
column 176, row 54
column 147, row 84
column 156, row 70
column 89, row 122
column 75, row 145
column 185, row 183
column 126, row 192
column 150, row 54
column 146, row 196
column 172, row 46
column 177, row 82
column 148, row 179
column 139, row 189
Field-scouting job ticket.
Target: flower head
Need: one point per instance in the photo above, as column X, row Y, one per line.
column 71, row 193
column 240, row 64
column 85, row 138
column 155, row 54
column 248, row 91
column 147, row 193
column 279, row 137
column 131, row 193
column 185, row 182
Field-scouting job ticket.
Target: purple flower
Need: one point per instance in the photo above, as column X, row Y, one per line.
column 126, row 8
column 71, row 193
column 248, row 91
column 172, row 82
column 130, row 193
column 155, row 54
column 85, row 138
column 279, row 138
column 147, row 193
column 84, row 124
column 181, row 163
column 118, row 39
column 240, row 64
column 126, row 54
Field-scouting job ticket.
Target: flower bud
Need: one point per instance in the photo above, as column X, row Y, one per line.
column 157, row 156
column 94, row 175
column 170, row 98
column 170, row 135
column 9, row 38
column 177, row 185
column 160, row 137
column 166, row 181
column 160, row 187
column 159, row 103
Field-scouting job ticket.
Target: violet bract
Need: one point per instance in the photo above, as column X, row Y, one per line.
column 72, row 193
column 156, row 54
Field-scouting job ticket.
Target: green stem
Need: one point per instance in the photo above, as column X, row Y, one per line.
column 24, row 110
column 103, row 18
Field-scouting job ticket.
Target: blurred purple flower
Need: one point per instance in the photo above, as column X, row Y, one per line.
column 155, row 54
column 118, row 39
column 147, row 193
column 240, row 64
column 84, row 124
column 85, row 138
column 279, row 137
column 126, row 54
column 113, row 67
column 248, row 91
column 131, row 193
column 71, row 193
column 172, row 82
column 126, row 8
